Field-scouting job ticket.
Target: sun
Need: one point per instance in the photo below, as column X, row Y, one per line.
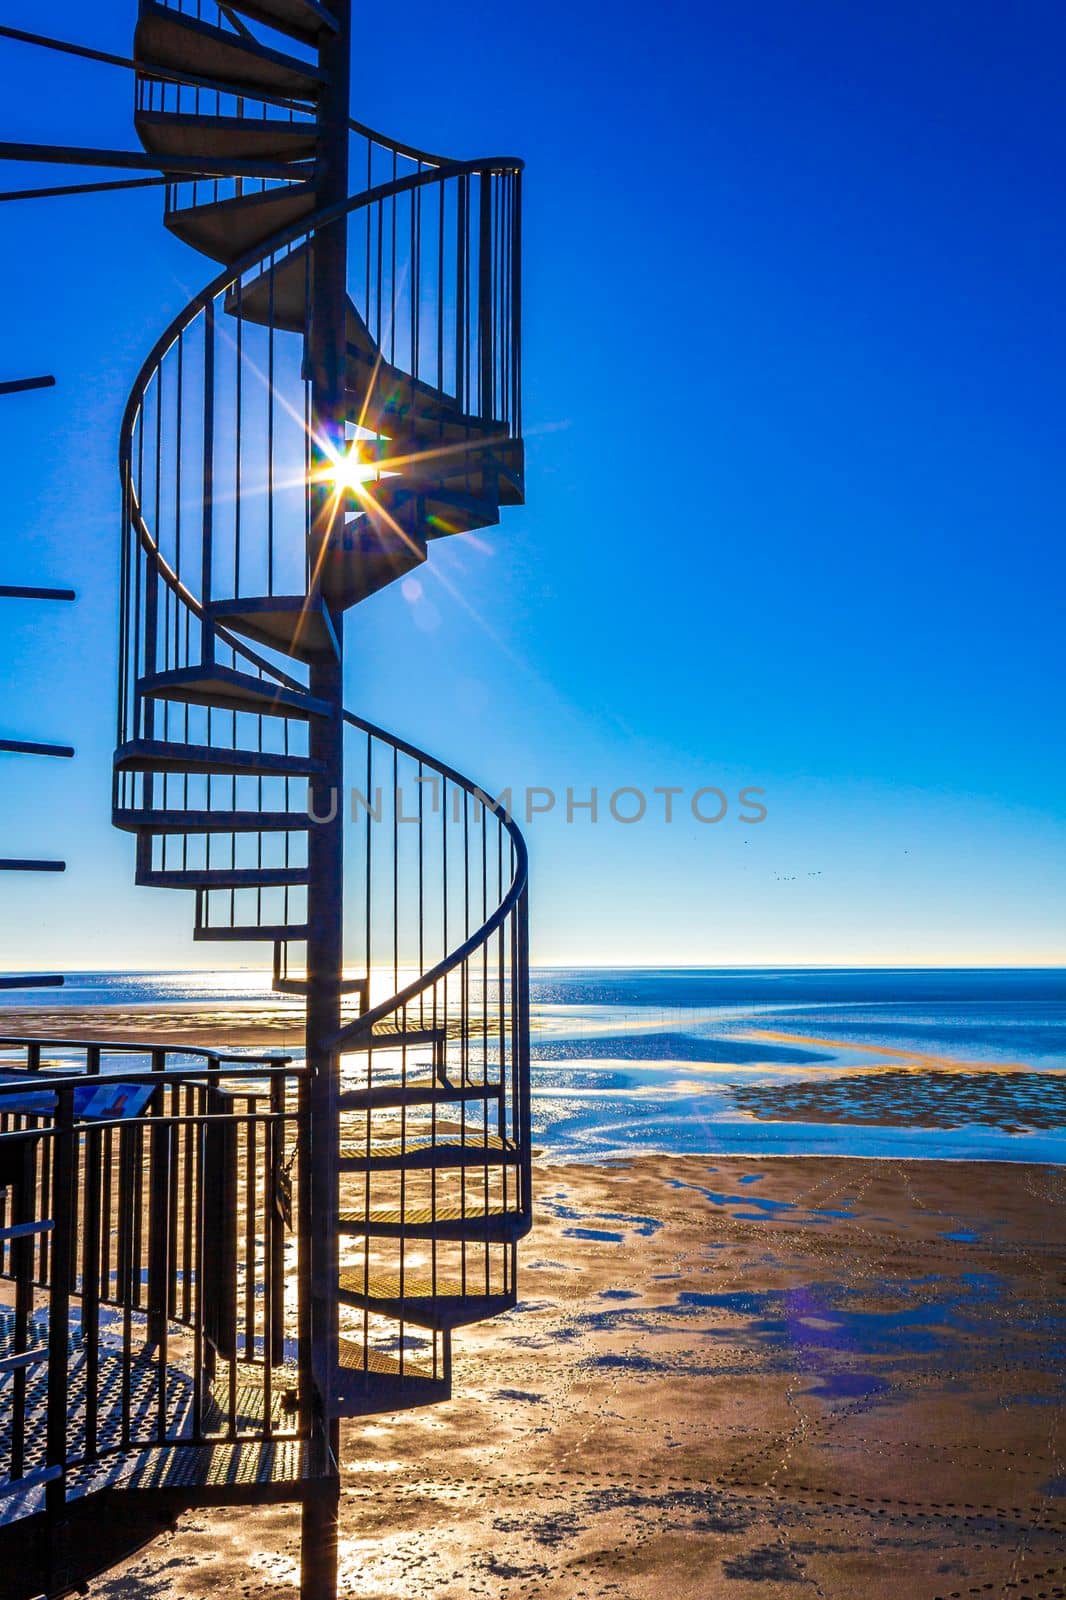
column 350, row 471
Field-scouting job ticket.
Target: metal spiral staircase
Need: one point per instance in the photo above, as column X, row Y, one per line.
column 208, row 1264
column 341, row 396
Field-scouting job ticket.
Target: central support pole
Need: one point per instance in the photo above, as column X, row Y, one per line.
column 326, row 353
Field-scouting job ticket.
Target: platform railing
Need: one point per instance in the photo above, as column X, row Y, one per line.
column 150, row 1263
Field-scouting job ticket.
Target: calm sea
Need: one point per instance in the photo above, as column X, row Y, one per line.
column 876, row 1062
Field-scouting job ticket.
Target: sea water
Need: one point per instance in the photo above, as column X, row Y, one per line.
column 627, row 1060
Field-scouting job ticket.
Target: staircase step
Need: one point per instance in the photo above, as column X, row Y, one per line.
column 372, row 551
column 425, row 1092
column 369, row 1381
column 273, row 932
column 398, row 1039
column 228, row 690
column 387, row 400
column 488, row 470
column 279, row 296
column 303, row 19
column 283, row 984
column 293, row 624
column 227, row 229
column 138, row 819
column 185, row 46
column 420, row 1153
column 427, row 1304
column 450, row 511
column 174, row 133
column 476, row 1221
column 222, row 878
column 157, row 755
column 424, row 508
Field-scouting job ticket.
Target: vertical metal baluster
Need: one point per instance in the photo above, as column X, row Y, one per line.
column 124, row 1135
column 207, row 635
column 250, row 1156
column 90, row 1286
column 63, row 1218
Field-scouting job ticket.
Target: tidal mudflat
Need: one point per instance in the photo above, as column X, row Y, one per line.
column 734, row 1377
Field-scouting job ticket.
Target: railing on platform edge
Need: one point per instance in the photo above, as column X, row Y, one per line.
column 170, row 1221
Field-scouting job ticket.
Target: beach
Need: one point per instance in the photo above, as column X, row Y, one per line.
column 724, row 1377
column 815, row 1361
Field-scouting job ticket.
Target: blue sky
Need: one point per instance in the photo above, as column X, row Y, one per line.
column 794, row 354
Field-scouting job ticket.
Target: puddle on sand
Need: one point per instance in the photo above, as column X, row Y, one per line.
column 762, row 1208
column 557, row 1205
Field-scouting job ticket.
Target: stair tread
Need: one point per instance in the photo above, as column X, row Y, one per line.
column 387, row 1286
column 181, row 44
column 162, row 755
column 229, row 690
column 175, row 133
column 353, row 1356
column 423, row 1151
column 367, row 555
column 445, row 1303
column 163, row 820
column 420, row 1215
column 304, row 19
column 227, row 229
column 423, row 1091
column 291, row 624
column 279, row 294
column 274, row 932
column 388, row 400
column 396, row 1038
column 223, row 877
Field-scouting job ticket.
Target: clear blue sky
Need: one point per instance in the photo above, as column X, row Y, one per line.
column 794, row 361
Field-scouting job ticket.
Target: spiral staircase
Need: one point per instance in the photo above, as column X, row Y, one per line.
column 341, row 396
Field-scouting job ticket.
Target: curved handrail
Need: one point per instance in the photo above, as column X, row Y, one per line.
column 474, row 941
column 297, row 230
column 231, row 275
column 440, row 172
column 409, row 151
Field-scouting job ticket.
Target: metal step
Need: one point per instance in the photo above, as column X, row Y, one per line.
column 139, row 819
column 227, row 229
column 369, row 1381
column 427, row 509
column 222, row 878
column 282, row 984
column 383, row 544
column 173, row 133
column 425, row 1092
column 293, row 624
column 157, row 755
column 387, row 400
column 420, row 1153
column 279, row 297
column 450, row 511
column 475, row 1221
column 272, row 932
column 398, row 1039
column 423, row 509
column 228, row 690
column 488, row 470
column 303, row 19
column 183, row 45
column 427, row 1304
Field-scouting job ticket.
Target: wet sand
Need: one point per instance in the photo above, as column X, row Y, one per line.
column 270, row 1024
column 726, row 1377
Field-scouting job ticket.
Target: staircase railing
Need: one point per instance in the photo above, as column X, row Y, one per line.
column 214, row 457
column 154, row 1304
